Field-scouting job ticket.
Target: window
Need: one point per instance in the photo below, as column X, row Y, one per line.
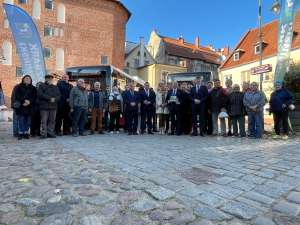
column 164, row 76
column 48, row 31
column 61, row 32
column 60, row 59
column 136, row 63
column 104, row 60
column 128, row 64
column 7, row 53
column 61, row 13
column 49, row 4
column 236, row 56
column 257, row 49
column 147, row 62
column 36, row 9
column 245, row 76
column 22, row 1
column 56, row 32
column 19, row 72
column 267, row 76
column 227, row 77
column 47, row 52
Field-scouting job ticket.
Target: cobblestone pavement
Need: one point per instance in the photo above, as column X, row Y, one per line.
column 148, row 180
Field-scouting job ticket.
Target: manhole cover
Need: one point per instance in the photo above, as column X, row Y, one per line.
column 198, row 176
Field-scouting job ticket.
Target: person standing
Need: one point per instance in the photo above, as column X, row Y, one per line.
column 132, row 101
column 254, row 102
column 115, row 105
column 35, row 126
column 228, row 89
column 236, row 111
column 217, row 103
column 79, row 104
column 280, row 100
column 96, row 107
column 2, row 102
column 174, row 99
column 63, row 111
column 148, row 99
column 14, row 106
column 24, row 100
column 186, row 109
column 161, row 107
column 48, row 97
column 208, row 116
column 199, row 95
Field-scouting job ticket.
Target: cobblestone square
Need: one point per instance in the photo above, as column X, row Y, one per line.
column 167, row 180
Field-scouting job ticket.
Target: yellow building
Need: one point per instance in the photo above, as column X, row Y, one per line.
column 246, row 55
column 155, row 73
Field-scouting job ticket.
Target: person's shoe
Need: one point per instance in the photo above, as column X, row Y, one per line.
column 83, row 134
column 92, row 132
column 43, row 137
column 135, row 133
column 111, row 132
column 150, row 132
column 101, row 132
column 20, row 136
column 117, row 132
column 75, row 134
column 26, row 136
column 202, row 135
column 285, row 137
column 129, row 133
column 275, row 137
column 58, row 134
column 51, row 136
column 142, row 132
column 194, row 134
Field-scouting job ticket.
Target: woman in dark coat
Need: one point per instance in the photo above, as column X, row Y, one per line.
column 35, row 125
column 186, row 110
column 25, row 97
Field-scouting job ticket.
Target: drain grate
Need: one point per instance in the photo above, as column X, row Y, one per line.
column 198, row 176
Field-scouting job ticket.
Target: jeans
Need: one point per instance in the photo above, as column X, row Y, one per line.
column 255, row 123
column 238, row 124
column 48, row 122
column 79, row 120
column 215, row 118
column 147, row 115
column 281, row 118
column 15, row 124
column 24, row 124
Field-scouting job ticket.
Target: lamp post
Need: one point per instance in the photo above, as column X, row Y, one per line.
column 260, row 43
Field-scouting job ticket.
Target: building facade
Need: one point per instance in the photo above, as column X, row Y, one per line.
column 73, row 33
column 178, row 52
column 246, row 55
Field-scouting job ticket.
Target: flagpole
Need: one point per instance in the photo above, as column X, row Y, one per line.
column 260, row 42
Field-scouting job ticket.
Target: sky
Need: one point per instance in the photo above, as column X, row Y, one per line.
column 217, row 22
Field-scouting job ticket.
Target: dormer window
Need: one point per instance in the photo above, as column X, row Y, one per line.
column 236, row 56
column 257, row 49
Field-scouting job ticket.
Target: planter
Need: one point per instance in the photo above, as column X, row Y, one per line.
column 295, row 117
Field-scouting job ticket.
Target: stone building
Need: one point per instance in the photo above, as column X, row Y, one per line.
column 73, row 33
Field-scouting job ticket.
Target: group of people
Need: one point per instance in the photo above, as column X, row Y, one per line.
column 50, row 110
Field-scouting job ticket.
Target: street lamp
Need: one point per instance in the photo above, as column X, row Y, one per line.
column 260, row 43
column 276, row 7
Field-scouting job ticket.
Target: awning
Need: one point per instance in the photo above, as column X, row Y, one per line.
column 131, row 77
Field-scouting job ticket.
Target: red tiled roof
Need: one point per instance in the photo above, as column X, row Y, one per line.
column 183, row 49
column 270, row 38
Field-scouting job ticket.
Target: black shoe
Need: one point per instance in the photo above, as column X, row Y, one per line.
column 194, row 134
column 142, row 132
column 150, row 132
column 51, row 136
column 92, row 132
column 202, row 134
column 26, row 136
column 135, row 133
column 43, row 137
column 83, row 134
column 101, row 132
column 20, row 136
column 129, row 133
column 58, row 133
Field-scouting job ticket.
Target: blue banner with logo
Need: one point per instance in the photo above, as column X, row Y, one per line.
column 285, row 38
column 28, row 42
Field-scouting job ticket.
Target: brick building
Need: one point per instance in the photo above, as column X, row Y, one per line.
column 73, row 33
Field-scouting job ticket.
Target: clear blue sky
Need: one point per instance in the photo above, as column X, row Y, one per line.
column 216, row 22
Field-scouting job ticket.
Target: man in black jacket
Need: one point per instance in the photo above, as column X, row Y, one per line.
column 199, row 94
column 174, row 100
column 48, row 96
column 148, row 99
column 63, row 109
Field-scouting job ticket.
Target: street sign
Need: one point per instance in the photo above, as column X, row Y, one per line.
column 261, row 69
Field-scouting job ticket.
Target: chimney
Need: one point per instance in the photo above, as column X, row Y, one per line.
column 225, row 51
column 211, row 47
column 142, row 51
column 197, row 42
column 181, row 39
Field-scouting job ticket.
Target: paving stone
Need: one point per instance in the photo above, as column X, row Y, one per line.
column 27, row 202
column 211, row 213
column 242, row 185
column 183, row 218
column 287, row 220
column 160, row 193
column 144, row 205
column 211, row 199
column 110, row 210
column 52, row 208
column 228, row 192
column 254, row 179
column 128, row 219
column 91, row 220
column 241, row 210
column 172, row 205
column 273, row 189
column 261, row 220
column 118, row 179
column 88, row 191
column 294, row 197
column 191, row 191
column 159, row 215
column 255, row 196
column 224, row 180
column 58, row 219
column 54, row 199
column 287, row 208
column 99, row 200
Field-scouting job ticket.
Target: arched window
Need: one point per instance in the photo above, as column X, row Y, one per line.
column 61, row 11
column 9, row 2
column 60, row 59
column 7, row 53
column 36, row 9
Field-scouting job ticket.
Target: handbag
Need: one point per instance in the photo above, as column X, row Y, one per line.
column 122, row 121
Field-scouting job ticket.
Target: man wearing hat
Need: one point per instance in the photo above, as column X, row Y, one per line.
column 48, row 96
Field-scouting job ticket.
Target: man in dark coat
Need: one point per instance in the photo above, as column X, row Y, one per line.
column 174, row 100
column 48, row 96
column 63, row 110
column 199, row 94
column 148, row 99
column 131, row 103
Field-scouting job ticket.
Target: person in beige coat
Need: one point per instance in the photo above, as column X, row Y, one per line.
column 162, row 108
